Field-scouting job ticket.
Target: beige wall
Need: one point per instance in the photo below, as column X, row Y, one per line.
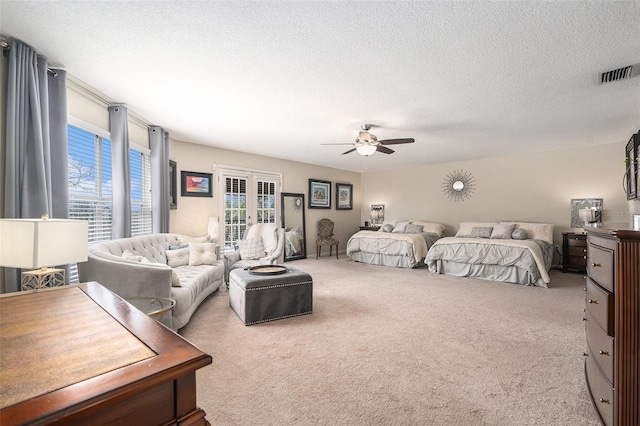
column 528, row 187
column 193, row 213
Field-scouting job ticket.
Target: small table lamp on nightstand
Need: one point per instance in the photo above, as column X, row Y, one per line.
column 41, row 243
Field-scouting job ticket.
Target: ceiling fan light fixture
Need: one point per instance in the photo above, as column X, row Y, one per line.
column 366, row 150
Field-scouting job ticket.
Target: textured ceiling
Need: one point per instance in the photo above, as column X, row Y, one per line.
column 467, row 80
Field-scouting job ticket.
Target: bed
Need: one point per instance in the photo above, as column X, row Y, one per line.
column 513, row 252
column 401, row 244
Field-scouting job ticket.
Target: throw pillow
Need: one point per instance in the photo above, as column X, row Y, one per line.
column 130, row 256
column 387, row 227
column 502, row 232
column 519, row 234
column 178, row 257
column 412, row 228
column 400, row 226
column 202, row 254
column 179, row 247
column 251, row 248
column 481, row 232
column 175, row 280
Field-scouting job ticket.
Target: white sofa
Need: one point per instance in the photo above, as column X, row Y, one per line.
column 131, row 278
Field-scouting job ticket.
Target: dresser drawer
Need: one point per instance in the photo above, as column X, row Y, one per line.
column 576, row 241
column 600, row 347
column 600, row 390
column 600, row 266
column 599, row 303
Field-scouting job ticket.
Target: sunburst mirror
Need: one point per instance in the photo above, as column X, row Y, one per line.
column 458, row 185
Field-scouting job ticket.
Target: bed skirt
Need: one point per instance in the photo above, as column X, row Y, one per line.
column 509, row 274
column 406, row 262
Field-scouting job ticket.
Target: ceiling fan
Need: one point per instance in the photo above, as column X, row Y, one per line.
column 367, row 143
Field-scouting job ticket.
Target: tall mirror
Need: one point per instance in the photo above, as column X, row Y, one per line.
column 293, row 224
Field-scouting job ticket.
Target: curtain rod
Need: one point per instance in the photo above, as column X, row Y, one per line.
column 6, row 46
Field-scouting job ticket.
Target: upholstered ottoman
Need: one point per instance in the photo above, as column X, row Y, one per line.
column 259, row 298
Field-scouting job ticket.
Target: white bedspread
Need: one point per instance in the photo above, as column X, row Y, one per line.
column 417, row 240
column 530, row 245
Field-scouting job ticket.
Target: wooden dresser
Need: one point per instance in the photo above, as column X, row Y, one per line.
column 82, row 355
column 574, row 252
column 612, row 324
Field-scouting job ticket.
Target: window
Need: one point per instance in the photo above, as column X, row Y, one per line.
column 90, row 191
column 90, row 194
column 140, row 164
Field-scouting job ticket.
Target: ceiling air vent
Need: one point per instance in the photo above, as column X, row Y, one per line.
column 620, row 74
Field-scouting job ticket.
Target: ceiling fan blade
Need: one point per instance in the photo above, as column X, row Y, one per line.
column 396, row 141
column 351, row 150
column 384, row 149
column 336, row 144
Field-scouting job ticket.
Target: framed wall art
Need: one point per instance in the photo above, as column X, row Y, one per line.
column 585, row 211
column 196, row 184
column 344, row 196
column 319, row 194
column 173, row 185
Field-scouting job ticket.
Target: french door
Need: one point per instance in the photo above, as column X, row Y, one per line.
column 248, row 197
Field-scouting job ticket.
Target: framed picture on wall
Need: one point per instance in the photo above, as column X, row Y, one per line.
column 196, row 184
column 344, row 196
column 173, row 189
column 319, row 194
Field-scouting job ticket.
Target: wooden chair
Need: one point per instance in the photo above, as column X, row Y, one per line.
column 325, row 237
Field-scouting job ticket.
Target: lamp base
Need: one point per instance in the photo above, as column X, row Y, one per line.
column 41, row 278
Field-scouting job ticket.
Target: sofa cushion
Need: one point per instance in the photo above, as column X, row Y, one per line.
column 178, row 257
column 202, row 254
column 251, row 248
column 175, row 280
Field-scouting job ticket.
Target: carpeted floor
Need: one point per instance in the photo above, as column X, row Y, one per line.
column 388, row 346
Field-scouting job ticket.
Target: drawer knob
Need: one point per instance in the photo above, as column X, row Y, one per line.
column 584, row 257
column 585, row 354
column 603, row 353
column 596, row 265
column 584, row 319
column 605, row 401
column 595, row 302
column 584, row 251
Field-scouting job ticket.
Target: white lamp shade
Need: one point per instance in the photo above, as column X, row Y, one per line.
column 366, row 149
column 36, row 243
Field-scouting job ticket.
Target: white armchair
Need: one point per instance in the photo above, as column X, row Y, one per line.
column 262, row 244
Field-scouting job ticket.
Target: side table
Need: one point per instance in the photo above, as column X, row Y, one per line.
column 152, row 306
column 369, row 228
column 574, row 252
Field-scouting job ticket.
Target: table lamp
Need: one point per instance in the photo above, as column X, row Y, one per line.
column 42, row 243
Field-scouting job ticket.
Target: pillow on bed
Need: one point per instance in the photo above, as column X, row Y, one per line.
column 481, row 232
column 502, row 231
column 436, row 228
column 413, row 228
column 400, row 226
column 387, row 227
column 519, row 234
column 536, row 231
column 465, row 227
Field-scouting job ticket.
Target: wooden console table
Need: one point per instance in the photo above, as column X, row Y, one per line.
column 82, row 355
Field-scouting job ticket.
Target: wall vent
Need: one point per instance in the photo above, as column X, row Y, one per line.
column 620, row 74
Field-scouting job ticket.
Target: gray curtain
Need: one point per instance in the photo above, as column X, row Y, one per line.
column 36, row 174
column 159, row 144
column 121, row 179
